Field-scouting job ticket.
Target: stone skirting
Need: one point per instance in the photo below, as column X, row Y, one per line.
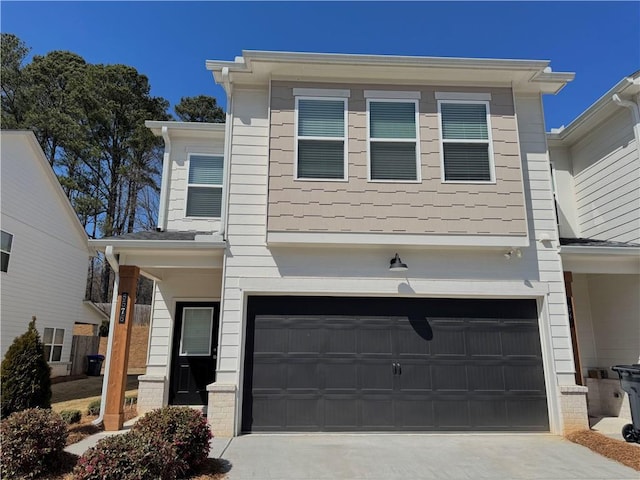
column 221, row 409
column 151, row 389
column 573, row 404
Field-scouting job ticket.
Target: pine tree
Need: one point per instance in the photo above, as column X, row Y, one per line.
column 25, row 374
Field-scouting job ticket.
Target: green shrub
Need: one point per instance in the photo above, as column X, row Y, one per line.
column 94, row 407
column 103, row 330
column 185, row 428
column 71, row 416
column 32, row 442
column 130, row 400
column 128, row 457
column 25, row 374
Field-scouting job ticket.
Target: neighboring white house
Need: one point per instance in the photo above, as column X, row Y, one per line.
column 44, row 252
column 275, row 306
column 596, row 165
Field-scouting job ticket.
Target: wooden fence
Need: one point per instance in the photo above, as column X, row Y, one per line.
column 82, row 346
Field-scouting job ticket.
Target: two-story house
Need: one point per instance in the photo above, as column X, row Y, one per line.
column 44, row 253
column 596, row 172
column 368, row 244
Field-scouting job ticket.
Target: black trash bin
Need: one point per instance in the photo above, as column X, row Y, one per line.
column 630, row 383
column 94, row 365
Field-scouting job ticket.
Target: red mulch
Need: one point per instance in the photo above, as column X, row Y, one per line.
column 618, row 450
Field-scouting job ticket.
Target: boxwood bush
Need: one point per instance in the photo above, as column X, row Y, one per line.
column 129, row 456
column 94, row 407
column 32, row 443
column 71, row 416
column 185, row 428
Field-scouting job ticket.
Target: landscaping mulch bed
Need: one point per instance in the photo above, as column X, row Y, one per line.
column 213, row 469
column 618, row 450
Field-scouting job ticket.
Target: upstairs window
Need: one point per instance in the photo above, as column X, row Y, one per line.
column 53, row 340
column 321, row 146
column 467, row 154
column 393, row 140
column 204, row 189
column 5, row 248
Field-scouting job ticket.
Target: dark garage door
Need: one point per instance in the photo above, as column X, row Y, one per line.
column 363, row 364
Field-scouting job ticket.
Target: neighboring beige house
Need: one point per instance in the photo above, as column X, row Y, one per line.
column 596, row 168
column 44, row 252
column 368, row 244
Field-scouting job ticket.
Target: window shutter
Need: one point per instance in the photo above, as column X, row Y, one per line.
column 393, row 161
column 320, row 118
column 467, row 162
column 205, row 170
column 204, row 202
column 320, row 159
column 392, row 120
column 466, row 121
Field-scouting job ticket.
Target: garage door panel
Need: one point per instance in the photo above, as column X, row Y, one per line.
column 454, row 365
column 451, row 413
column 375, row 376
column 450, row 378
column 341, row 376
column 486, row 378
column 524, row 378
column 415, row 413
column 527, row 413
column 341, row 412
column 377, row 412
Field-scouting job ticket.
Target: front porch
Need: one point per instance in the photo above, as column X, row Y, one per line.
column 183, row 336
column 603, row 281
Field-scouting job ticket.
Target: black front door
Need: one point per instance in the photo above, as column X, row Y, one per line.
column 194, row 352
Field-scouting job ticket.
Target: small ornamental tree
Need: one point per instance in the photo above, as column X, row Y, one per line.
column 25, row 374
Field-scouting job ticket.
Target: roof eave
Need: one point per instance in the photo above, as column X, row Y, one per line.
column 101, row 244
column 593, row 250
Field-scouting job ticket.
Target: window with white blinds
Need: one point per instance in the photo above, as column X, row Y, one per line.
column 197, row 325
column 321, row 138
column 393, row 140
column 466, row 141
column 204, row 188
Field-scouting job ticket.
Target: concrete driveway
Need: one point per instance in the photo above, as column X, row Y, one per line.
column 413, row 457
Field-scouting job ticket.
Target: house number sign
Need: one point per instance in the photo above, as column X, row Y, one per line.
column 123, row 307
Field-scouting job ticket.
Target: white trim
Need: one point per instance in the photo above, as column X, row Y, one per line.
column 53, row 343
column 463, row 96
column 481, row 241
column 548, row 365
column 8, row 252
column 203, row 185
column 321, row 92
column 180, row 352
column 598, row 250
column 345, row 140
column 416, row 140
column 488, row 142
column 392, row 94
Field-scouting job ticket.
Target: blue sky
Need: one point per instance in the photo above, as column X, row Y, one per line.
column 170, row 41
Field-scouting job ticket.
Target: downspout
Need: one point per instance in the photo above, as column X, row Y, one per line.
column 113, row 261
column 166, row 177
column 228, row 132
column 635, row 114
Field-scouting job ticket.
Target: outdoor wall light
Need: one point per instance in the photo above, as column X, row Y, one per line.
column 517, row 252
column 396, row 265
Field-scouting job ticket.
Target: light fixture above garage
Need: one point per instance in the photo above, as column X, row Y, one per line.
column 396, row 265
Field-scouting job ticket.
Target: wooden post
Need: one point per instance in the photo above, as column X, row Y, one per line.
column 568, row 279
column 117, row 384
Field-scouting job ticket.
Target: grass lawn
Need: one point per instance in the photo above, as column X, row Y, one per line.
column 78, row 394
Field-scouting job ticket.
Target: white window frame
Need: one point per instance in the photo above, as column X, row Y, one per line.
column 466, row 99
column 393, row 97
column 221, row 186
column 208, row 354
column 8, row 252
column 318, row 95
column 53, row 343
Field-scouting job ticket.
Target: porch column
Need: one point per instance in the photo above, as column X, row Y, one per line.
column 117, row 383
column 568, row 279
